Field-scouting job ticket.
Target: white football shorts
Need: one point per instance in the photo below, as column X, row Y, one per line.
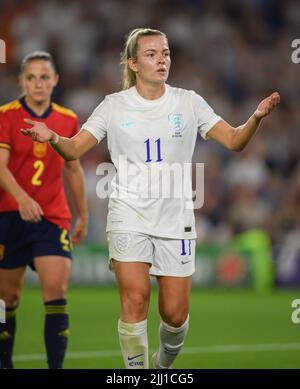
column 168, row 257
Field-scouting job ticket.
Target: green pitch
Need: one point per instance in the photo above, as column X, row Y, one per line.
column 228, row 329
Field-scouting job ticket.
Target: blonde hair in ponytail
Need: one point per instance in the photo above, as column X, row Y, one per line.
column 130, row 51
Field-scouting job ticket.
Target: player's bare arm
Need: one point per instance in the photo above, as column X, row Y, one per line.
column 75, row 179
column 68, row 148
column 236, row 138
column 29, row 209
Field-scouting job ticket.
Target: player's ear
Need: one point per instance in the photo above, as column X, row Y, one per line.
column 20, row 82
column 132, row 63
column 56, row 79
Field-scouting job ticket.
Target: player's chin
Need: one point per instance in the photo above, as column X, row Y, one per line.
column 162, row 77
column 40, row 98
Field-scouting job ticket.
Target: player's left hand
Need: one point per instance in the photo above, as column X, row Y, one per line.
column 80, row 231
column 266, row 106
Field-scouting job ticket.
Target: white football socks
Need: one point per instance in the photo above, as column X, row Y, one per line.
column 171, row 340
column 134, row 344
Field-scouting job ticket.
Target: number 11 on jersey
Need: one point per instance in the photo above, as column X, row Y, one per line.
column 148, row 151
column 183, row 248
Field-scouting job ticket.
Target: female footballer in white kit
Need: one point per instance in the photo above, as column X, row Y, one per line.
column 151, row 125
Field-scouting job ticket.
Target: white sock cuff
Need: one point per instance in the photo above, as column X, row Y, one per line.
column 132, row 328
column 175, row 329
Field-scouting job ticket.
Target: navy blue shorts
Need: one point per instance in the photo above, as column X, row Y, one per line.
column 21, row 242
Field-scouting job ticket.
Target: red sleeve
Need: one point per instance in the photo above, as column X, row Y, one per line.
column 5, row 131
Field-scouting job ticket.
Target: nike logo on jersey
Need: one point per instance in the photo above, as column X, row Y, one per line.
column 127, row 123
column 136, row 356
column 184, row 262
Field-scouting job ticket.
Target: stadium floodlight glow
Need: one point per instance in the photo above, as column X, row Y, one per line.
column 2, row 312
column 2, row 51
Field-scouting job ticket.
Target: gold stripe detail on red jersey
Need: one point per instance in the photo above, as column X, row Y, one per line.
column 63, row 110
column 12, row 105
column 4, row 146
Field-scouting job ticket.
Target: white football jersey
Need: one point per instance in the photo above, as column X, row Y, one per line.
column 151, row 142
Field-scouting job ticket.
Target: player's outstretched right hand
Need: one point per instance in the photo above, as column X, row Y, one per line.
column 39, row 132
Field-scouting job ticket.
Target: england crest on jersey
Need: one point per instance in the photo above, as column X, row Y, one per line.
column 176, row 123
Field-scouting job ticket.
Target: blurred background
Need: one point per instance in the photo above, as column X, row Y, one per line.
column 233, row 53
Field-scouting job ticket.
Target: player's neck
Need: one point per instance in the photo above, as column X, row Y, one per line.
column 39, row 108
column 150, row 92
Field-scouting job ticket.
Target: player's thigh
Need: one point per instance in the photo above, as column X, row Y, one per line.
column 131, row 255
column 132, row 276
column 11, row 282
column 174, row 264
column 134, row 286
column 54, row 274
column 174, row 298
column 52, row 253
column 15, row 241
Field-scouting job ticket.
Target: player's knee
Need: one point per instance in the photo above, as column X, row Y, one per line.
column 135, row 306
column 54, row 291
column 175, row 318
column 11, row 297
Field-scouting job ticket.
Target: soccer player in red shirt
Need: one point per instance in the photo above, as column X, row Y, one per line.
column 35, row 218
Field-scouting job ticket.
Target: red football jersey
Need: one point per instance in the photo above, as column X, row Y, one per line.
column 35, row 166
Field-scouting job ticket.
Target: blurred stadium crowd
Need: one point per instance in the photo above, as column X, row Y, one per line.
column 233, row 53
